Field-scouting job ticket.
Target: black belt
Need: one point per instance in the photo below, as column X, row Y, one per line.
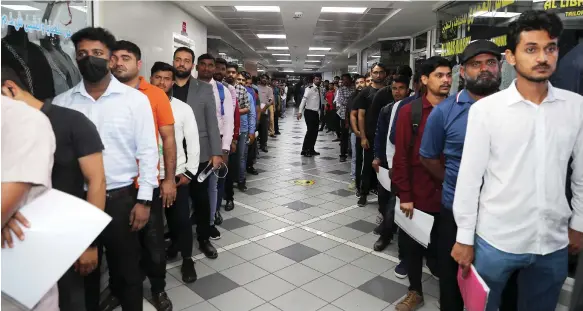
column 119, row 192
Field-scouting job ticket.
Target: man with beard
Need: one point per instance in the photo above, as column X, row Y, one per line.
column 199, row 96
column 510, row 205
column 311, row 103
column 368, row 115
column 187, row 161
column 342, row 97
column 416, row 187
column 352, row 119
column 125, row 123
column 444, row 133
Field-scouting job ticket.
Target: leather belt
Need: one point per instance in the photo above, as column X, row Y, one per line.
column 119, row 192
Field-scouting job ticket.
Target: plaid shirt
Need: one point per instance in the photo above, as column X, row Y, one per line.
column 344, row 94
column 242, row 97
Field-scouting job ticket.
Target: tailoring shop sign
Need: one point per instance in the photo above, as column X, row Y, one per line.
column 46, row 28
column 467, row 19
column 457, row 46
column 571, row 8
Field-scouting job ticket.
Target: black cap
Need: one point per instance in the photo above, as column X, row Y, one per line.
column 479, row 47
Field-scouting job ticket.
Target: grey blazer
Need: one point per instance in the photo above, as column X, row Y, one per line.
column 202, row 101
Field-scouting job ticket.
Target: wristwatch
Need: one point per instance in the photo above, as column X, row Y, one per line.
column 144, row 202
column 226, row 151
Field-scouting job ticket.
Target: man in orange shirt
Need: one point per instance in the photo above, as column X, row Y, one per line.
column 126, row 67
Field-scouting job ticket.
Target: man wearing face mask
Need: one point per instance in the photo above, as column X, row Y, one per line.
column 200, row 97
column 124, row 120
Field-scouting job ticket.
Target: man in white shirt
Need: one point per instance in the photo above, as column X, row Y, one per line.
column 509, row 204
column 187, row 161
column 124, row 120
column 310, row 106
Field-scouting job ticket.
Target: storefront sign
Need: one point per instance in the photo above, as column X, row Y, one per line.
column 467, row 19
column 46, row 28
column 500, row 40
column 457, row 46
column 563, row 4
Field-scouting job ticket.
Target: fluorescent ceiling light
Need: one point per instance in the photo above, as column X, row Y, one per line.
column 375, row 56
column 18, row 7
column 495, row 14
column 287, row 71
column 280, row 54
column 316, row 55
column 221, row 53
column 270, row 36
column 81, row 8
column 277, row 48
column 312, row 61
column 284, row 60
column 258, row 8
column 343, row 10
column 319, row 49
column 260, row 70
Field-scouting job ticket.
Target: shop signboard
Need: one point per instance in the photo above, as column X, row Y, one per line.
column 457, row 46
column 571, row 8
column 467, row 19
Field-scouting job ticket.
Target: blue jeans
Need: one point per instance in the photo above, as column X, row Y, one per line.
column 540, row 279
column 242, row 149
column 353, row 159
column 213, row 192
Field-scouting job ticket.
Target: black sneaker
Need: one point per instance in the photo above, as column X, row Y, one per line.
column 215, row 234
column 343, row 158
column 241, row 186
column 207, row 248
column 218, row 218
column 110, row 303
column 229, row 206
column 251, row 170
column 188, row 271
column 362, row 201
column 314, row 152
column 381, row 244
column 161, row 302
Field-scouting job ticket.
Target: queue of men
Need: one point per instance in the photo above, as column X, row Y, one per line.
column 134, row 149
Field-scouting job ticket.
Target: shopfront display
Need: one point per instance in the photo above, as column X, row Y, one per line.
column 36, row 43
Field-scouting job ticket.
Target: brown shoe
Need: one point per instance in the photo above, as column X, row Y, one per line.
column 412, row 302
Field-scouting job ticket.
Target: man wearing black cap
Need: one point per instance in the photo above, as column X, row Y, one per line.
column 444, row 133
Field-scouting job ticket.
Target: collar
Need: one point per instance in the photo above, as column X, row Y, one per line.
column 515, row 97
column 464, row 97
column 426, row 103
column 114, row 87
column 143, row 85
column 47, row 106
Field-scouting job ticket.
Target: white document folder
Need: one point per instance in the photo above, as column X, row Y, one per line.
column 419, row 227
column 61, row 228
column 383, row 178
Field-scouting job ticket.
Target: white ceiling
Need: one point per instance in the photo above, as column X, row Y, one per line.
column 345, row 33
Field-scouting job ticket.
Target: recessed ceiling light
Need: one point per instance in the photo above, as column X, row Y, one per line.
column 270, row 36
column 316, row 55
column 81, row 8
column 343, row 10
column 284, row 60
column 319, row 49
column 280, row 54
column 312, row 61
column 256, row 8
column 18, row 7
column 277, row 48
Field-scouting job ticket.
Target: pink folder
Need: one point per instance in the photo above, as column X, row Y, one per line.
column 473, row 289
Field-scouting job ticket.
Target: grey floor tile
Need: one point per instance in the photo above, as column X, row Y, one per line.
column 345, row 253
column 362, row 225
column 272, row 262
column 233, row 223
column 390, row 274
column 183, row 297
column 298, row 252
column 280, row 211
column 298, row 274
column 266, row 307
column 330, row 308
column 347, row 201
column 254, row 218
column 267, row 195
column 228, row 238
column 332, row 206
column 367, row 240
column 203, row 306
column 374, row 264
column 253, row 191
column 244, row 273
column 342, row 192
column 240, row 211
column 297, row 217
column 315, row 211
column 275, row 242
column 328, row 197
column 250, row 251
column 384, row 289
column 352, row 275
column 225, row 261
column 250, row 231
column 264, row 205
column 315, row 201
column 282, row 200
column 324, row 225
column 341, row 219
column 238, row 299
column 297, row 235
column 431, row 287
column 298, row 300
column 298, row 205
column 271, row 224
column 346, row 233
column 337, row 172
column 269, row 287
column 327, row 288
column 360, row 212
column 357, row 300
column 323, row 263
column 320, row 243
column 171, row 282
column 202, row 270
column 212, row 286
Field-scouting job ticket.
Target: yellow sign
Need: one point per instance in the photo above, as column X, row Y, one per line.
column 574, row 13
column 303, row 182
column 562, row 4
column 455, row 47
column 477, row 10
column 499, row 41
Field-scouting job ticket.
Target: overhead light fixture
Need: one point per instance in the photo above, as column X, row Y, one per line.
column 280, row 54
column 319, row 49
column 287, row 71
column 495, row 14
column 375, row 56
column 316, row 55
column 284, row 60
column 307, row 69
column 19, row 7
column 260, row 70
column 256, row 8
column 81, row 8
column 343, row 10
column 222, row 54
column 312, row 61
column 277, row 48
column 270, row 36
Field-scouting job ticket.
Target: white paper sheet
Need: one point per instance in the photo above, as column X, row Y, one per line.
column 383, row 178
column 419, row 227
column 61, row 228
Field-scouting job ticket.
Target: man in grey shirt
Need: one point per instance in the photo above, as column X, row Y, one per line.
column 266, row 100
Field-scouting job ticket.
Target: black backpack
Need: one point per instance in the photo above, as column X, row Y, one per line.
column 416, row 115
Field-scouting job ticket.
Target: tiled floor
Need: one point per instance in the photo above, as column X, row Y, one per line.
column 293, row 247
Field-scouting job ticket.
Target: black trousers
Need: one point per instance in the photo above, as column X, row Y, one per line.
column 414, row 253
column 232, row 176
column 179, row 225
column 449, row 291
column 252, row 154
column 201, row 205
column 359, row 160
column 263, row 130
column 72, row 296
column 123, row 250
column 311, row 136
column 153, row 246
column 276, row 115
column 368, row 177
column 344, row 137
column 387, row 201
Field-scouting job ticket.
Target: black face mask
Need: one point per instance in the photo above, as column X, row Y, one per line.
column 92, row 68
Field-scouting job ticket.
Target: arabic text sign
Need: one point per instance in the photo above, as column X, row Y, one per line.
column 45, row 28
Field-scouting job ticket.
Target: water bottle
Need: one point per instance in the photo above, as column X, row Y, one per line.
column 205, row 173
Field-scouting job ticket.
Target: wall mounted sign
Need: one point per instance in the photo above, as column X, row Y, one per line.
column 467, row 19
column 457, row 46
column 573, row 8
column 45, row 28
column 183, row 32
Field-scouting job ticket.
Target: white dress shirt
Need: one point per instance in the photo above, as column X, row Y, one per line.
column 511, row 183
column 390, row 152
column 124, row 120
column 312, row 99
column 227, row 121
column 185, row 127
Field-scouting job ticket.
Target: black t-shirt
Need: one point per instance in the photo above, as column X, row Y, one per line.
column 364, row 101
column 181, row 92
column 76, row 137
